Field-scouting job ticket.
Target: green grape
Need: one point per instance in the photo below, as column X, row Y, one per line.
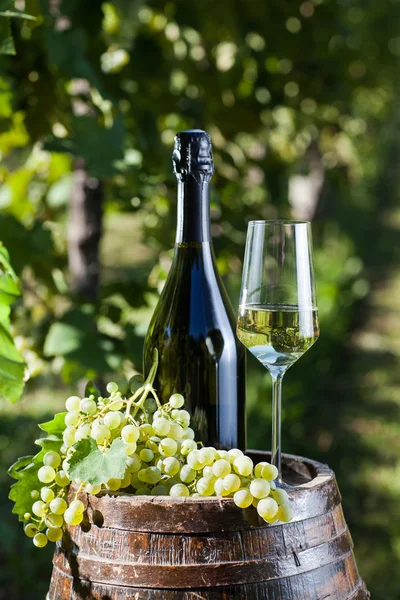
column 234, row 454
column 259, row 488
column 34, row 494
column 73, row 518
column 176, row 401
column 175, row 414
column 146, row 431
column 179, row 490
column 69, row 436
column 146, row 455
column 135, row 481
column 143, row 491
column 62, row 479
column 243, row 498
column 27, row 516
column 222, row 454
column 150, row 405
column 39, row 508
column 133, row 463
column 280, row 496
column 58, row 506
column 208, row 473
column 52, row 459
column 54, row 534
column 82, row 432
column 72, row 418
column 258, row 468
column 130, row 448
column 272, row 485
column 92, row 489
column 113, row 485
column 87, row 406
column 255, row 502
column 221, row 468
column 116, row 404
column 72, row 403
column 46, row 494
column 153, row 475
column 184, row 418
column 161, row 426
column 285, row 513
column 142, row 475
column 188, row 446
column 192, row 460
column 30, row 530
column 267, row 508
column 188, row 433
column 158, row 414
column 243, row 465
column 130, row 433
column 100, row 433
column 112, row 387
column 269, row 472
column 46, row 474
column 187, row 474
column 167, row 447
column 219, row 487
column 205, row 487
column 175, row 431
column 126, row 481
column 231, row 483
column 52, row 520
column 207, row 456
column 113, row 420
column 40, row 540
column 152, row 443
column 171, row 466
column 159, row 490
column 77, row 506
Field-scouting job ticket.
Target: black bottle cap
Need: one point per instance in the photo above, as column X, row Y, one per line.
column 192, row 156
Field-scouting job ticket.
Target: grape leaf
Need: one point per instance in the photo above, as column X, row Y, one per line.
column 6, row 38
column 12, row 368
column 25, row 470
column 91, row 465
column 56, row 426
column 18, row 14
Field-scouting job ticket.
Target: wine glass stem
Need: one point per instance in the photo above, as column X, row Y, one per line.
column 276, row 421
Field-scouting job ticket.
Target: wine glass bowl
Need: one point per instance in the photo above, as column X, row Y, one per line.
column 278, row 315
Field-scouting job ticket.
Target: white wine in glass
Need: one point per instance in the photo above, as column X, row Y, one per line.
column 278, row 315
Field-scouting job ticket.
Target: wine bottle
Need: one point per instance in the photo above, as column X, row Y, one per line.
column 193, row 326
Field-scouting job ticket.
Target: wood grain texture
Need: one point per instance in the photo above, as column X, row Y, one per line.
column 179, row 549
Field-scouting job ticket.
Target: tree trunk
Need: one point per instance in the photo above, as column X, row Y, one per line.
column 84, row 233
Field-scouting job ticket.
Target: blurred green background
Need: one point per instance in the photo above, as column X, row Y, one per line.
column 302, row 102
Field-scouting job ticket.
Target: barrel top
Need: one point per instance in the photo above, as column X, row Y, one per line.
column 314, row 494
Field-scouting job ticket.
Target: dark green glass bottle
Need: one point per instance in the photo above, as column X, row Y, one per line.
column 193, row 326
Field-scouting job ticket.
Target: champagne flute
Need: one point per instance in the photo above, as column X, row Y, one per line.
column 278, row 315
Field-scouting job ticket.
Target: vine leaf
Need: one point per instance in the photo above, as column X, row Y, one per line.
column 12, row 367
column 25, row 470
column 90, row 465
column 56, row 426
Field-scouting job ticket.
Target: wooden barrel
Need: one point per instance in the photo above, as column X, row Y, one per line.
column 145, row 547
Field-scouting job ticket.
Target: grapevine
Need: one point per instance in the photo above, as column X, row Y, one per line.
column 136, row 444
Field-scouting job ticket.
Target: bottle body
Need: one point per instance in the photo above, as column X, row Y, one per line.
column 193, row 329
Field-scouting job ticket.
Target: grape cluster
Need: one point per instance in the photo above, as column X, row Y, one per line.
column 162, row 458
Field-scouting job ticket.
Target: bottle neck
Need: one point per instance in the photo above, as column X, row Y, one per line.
column 193, row 212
